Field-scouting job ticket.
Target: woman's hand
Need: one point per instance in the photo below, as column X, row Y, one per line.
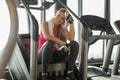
column 67, row 49
column 68, row 17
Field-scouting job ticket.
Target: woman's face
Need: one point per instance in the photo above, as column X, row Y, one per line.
column 59, row 18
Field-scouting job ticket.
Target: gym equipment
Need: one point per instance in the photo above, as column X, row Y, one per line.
column 46, row 5
column 34, row 35
column 20, row 70
column 5, row 55
column 18, row 65
column 116, row 66
column 88, row 25
column 91, row 22
column 29, row 2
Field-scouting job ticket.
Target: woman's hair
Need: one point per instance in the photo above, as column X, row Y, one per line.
column 63, row 10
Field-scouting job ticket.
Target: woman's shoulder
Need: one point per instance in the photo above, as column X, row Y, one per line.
column 45, row 23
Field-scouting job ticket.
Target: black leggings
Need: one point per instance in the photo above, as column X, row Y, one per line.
column 46, row 55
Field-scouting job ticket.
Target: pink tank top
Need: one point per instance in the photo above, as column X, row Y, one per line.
column 42, row 40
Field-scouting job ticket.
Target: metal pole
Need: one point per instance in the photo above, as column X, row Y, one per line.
column 107, row 9
column 43, row 13
column 116, row 62
column 107, row 58
column 33, row 47
column 79, row 32
column 117, row 58
column 5, row 55
column 34, row 36
column 84, row 54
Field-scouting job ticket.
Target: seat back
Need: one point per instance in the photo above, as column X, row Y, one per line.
column 96, row 23
column 117, row 24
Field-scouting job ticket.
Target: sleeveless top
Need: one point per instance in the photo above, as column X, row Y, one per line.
column 42, row 40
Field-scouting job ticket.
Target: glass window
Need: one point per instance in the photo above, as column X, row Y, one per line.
column 50, row 12
column 73, row 5
column 4, row 24
column 23, row 19
column 23, row 25
column 90, row 7
column 5, row 21
column 115, row 15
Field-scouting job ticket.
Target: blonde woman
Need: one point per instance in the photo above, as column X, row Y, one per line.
column 50, row 38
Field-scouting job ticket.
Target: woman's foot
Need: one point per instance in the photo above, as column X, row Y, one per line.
column 45, row 77
column 71, row 76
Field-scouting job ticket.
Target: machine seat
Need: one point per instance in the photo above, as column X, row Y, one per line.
column 96, row 23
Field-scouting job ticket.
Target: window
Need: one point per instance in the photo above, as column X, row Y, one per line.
column 5, row 24
column 115, row 15
column 90, row 7
column 73, row 5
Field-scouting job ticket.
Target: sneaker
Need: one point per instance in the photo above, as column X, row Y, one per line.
column 44, row 78
column 70, row 76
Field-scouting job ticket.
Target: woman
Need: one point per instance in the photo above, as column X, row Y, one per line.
column 50, row 38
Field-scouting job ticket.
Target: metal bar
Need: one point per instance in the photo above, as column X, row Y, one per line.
column 107, row 36
column 107, row 9
column 43, row 13
column 84, row 53
column 26, row 7
column 79, row 32
column 34, row 33
column 8, row 49
column 108, row 55
column 34, row 8
column 116, row 62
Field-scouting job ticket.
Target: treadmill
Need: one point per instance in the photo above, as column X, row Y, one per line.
column 92, row 22
column 115, row 68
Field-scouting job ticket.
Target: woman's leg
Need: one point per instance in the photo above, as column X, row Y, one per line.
column 45, row 55
column 62, row 55
column 74, row 46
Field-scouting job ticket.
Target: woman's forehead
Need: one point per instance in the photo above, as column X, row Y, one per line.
column 60, row 13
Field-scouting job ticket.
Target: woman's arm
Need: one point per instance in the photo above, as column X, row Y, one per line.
column 47, row 35
column 69, row 34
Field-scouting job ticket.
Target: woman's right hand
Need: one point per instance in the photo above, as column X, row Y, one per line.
column 68, row 17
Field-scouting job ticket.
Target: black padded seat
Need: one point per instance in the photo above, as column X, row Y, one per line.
column 96, row 23
column 117, row 24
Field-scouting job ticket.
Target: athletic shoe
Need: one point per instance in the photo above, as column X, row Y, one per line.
column 70, row 76
column 44, row 78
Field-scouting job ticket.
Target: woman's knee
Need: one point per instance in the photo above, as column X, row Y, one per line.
column 49, row 42
column 75, row 44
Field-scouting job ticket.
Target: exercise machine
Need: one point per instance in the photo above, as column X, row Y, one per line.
column 6, row 53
